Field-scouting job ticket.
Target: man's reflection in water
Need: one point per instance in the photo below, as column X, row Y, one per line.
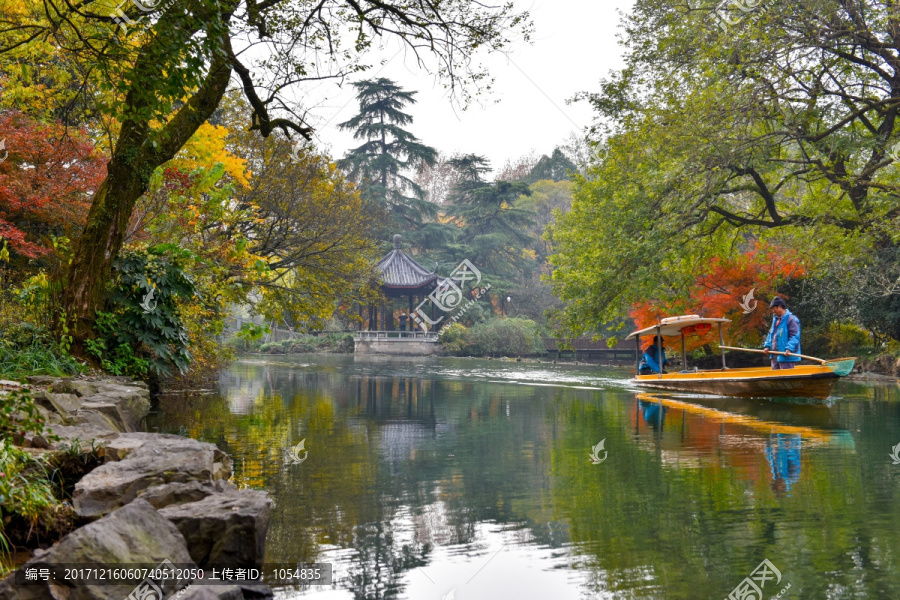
column 652, row 414
column 783, row 454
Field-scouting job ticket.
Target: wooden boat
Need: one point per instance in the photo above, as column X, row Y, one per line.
column 804, row 380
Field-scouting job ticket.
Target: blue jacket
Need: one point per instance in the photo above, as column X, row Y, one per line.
column 786, row 338
column 649, row 360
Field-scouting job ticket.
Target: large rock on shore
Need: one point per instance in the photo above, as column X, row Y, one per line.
column 136, row 533
column 118, row 404
column 149, row 460
column 173, row 494
column 142, row 472
column 227, row 529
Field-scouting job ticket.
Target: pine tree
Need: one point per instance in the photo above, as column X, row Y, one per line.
column 389, row 151
column 493, row 230
column 557, row 167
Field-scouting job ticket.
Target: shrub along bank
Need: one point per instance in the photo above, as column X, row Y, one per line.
column 496, row 337
column 329, row 342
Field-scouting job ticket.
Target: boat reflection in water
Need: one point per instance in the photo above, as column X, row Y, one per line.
column 737, row 433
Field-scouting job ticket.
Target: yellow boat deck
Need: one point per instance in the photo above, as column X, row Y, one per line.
column 803, row 380
column 743, row 373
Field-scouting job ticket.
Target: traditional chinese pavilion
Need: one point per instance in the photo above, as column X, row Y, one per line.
column 401, row 277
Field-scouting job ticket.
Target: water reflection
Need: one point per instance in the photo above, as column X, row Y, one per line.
column 421, row 480
column 783, row 454
column 736, row 433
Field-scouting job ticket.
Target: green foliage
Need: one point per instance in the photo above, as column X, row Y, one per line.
column 710, row 140
column 556, row 167
column 844, row 338
column 119, row 358
column 496, row 337
column 329, row 342
column 836, row 340
column 247, row 338
column 143, row 330
column 18, row 415
column 860, row 289
column 24, row 490
column 494, row 231
column 251, row 332
column 389, row 151
column 70, row 463
column 454, row 338
column 26, row 345
column 28, row 349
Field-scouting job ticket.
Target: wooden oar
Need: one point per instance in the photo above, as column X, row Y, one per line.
column 821, row 360
column 840, row 366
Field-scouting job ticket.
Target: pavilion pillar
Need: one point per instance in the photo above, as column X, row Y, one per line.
column 389, row 314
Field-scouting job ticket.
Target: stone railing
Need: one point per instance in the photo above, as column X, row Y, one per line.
column 418, row 336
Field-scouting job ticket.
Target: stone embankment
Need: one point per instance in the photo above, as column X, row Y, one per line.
column 155, row 497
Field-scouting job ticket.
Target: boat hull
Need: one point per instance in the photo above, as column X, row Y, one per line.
column 810, row 381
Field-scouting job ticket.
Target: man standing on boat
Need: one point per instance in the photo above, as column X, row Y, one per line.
column 650, row 362
column 784, row 336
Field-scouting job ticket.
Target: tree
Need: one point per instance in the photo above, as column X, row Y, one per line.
column 293, row 234
column 389, row 151
column 493, row 232
column 314, row 230
column 168, row 67
column 437, row 180
column 720, row 290
column 556, row 167
column 780, row 129
column 46, row 179
column 518, row 169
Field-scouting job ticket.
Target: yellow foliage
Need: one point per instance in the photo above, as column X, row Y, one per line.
column 207, row 147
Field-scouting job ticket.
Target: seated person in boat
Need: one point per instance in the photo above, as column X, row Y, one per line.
column 650, row 363
column 784, row 336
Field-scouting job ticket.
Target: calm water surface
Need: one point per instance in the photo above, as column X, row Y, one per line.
column 472, row 480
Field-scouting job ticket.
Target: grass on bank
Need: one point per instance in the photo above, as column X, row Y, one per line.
column 35, row 488
column 27, row 349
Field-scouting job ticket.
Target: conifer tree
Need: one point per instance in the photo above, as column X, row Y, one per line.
column 492, row 229
column 389, row 152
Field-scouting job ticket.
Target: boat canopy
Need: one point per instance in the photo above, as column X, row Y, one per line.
column 673, row 325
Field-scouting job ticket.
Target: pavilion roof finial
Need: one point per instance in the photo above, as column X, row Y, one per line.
column 400, row 271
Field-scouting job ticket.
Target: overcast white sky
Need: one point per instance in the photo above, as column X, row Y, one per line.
column 573, row 47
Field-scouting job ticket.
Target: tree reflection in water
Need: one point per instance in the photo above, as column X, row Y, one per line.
column 406, row 472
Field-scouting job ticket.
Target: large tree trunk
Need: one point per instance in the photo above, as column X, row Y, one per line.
column 134, row 159
column 98, row 246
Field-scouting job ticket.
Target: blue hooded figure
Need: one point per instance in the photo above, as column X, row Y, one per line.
column 650, row 362
column 784, row 335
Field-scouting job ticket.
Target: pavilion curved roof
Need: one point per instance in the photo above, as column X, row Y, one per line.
column 399, row 270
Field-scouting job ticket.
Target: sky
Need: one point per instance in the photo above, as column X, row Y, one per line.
column 574, row 46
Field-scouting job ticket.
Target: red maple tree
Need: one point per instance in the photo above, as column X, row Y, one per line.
column 722, row 291
column 48, row 175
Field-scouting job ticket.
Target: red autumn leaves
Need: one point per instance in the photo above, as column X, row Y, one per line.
column 720, row 290
column 47, row 177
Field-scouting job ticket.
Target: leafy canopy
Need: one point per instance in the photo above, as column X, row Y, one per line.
column 780, row 129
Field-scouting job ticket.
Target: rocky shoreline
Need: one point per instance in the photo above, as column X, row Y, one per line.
column 154, row 497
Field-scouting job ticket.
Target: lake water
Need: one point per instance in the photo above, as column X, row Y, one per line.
column 443, row 478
